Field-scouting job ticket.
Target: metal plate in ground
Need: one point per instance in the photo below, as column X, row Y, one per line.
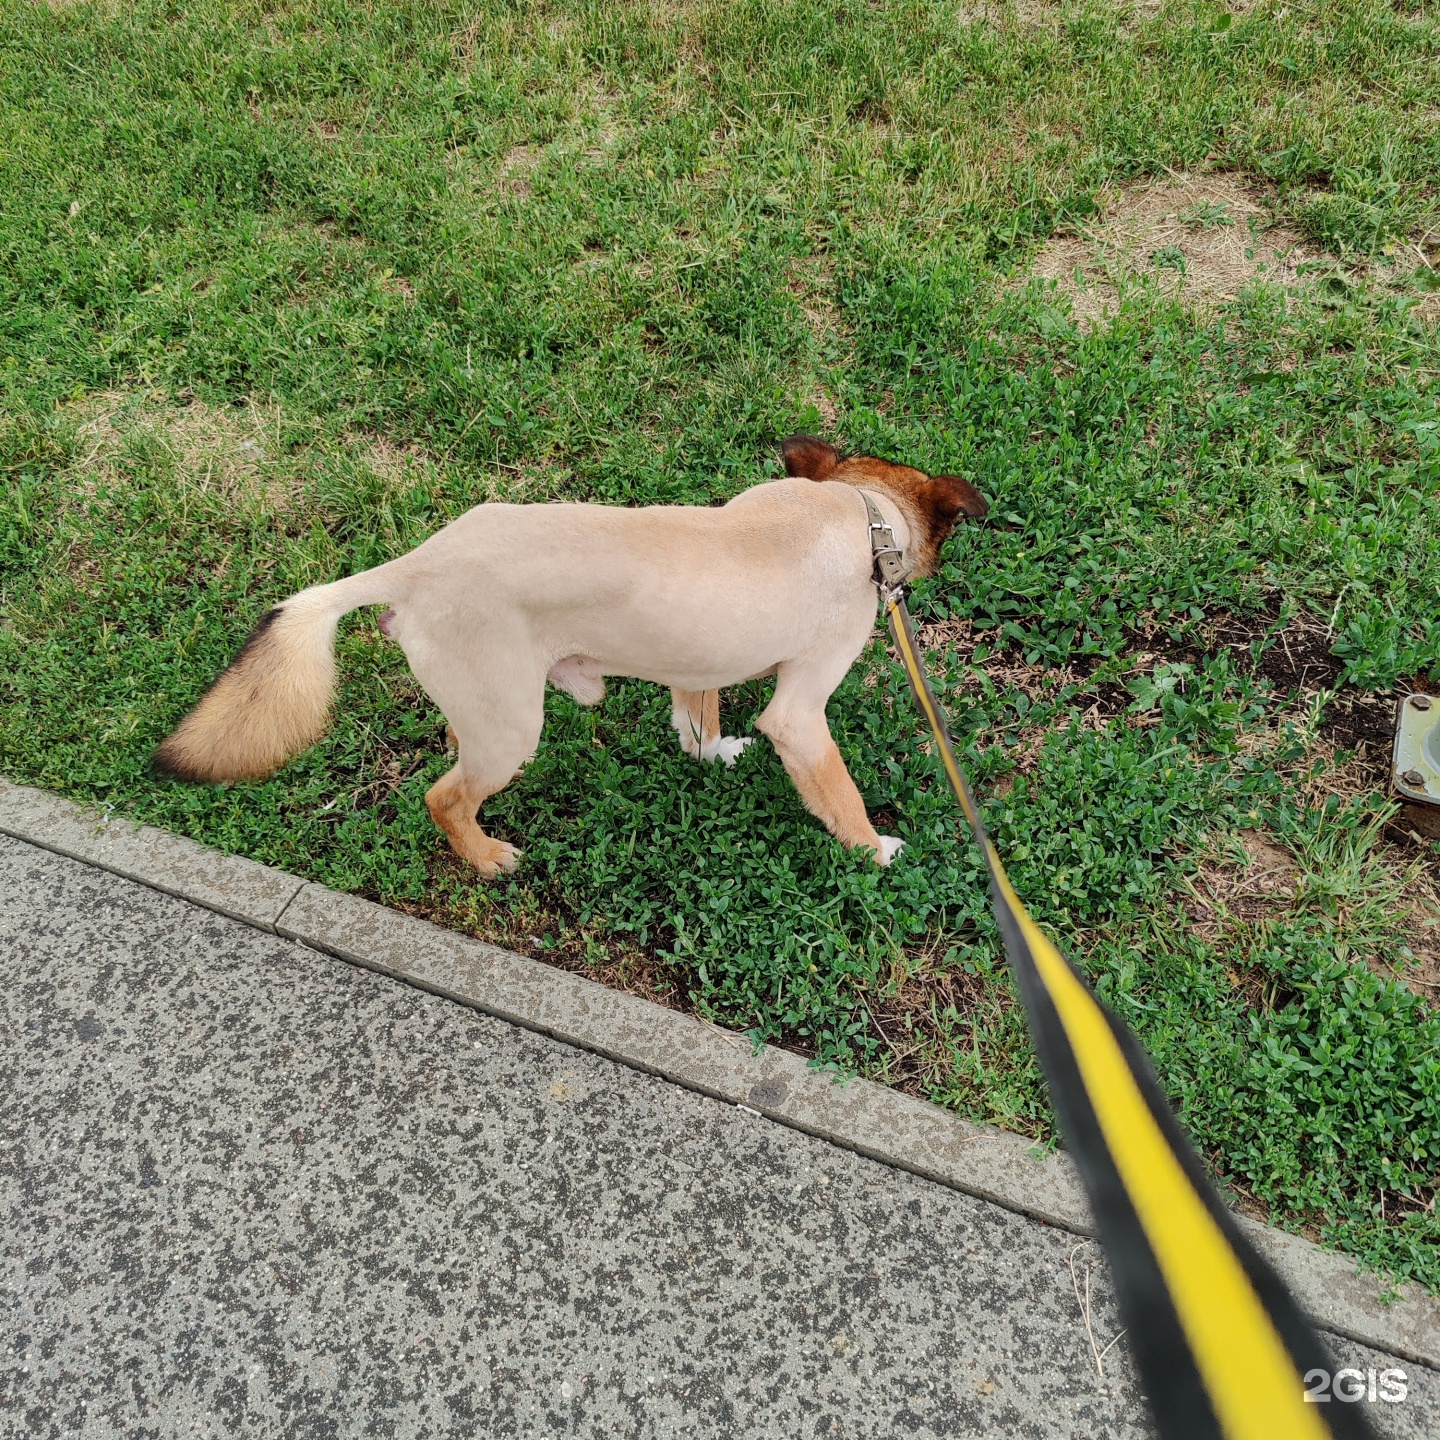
column 1415, row 761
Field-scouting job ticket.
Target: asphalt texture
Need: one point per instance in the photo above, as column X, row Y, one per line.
column 247, row 1189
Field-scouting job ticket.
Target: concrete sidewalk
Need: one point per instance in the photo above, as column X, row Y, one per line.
column 249, row 1189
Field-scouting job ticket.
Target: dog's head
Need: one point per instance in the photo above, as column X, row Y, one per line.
column 932, row 504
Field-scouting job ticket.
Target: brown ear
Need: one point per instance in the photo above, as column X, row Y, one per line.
column 804, row 455
column 954, row 496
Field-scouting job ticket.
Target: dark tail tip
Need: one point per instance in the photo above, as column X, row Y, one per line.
column 167, row 763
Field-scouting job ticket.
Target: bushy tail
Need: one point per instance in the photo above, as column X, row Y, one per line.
column 273, row 700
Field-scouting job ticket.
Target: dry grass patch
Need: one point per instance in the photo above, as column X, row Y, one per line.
column 391, row 461
column 529, row 929
column 1385, row 906
column 826, row 408
column 106, row 8
column 1001, row 13
column 1421, row 930
column 229, row 452
column 929, row 1012
column 1258, row 879
column 812, row 283
column 399, row 285
column 534, row 480
column 1379, row 886
column 1201, row 238
column 516, row 167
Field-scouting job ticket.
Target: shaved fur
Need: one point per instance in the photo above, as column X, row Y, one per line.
column 510, row 597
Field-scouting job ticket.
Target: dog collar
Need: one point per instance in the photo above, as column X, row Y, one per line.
column 890, row 571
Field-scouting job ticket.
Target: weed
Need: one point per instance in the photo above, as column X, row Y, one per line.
column 1206, row 215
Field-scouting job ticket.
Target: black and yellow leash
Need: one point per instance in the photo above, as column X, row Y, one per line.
column 1221, row 1346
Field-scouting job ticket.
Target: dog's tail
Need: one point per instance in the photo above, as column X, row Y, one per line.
column 273, row 700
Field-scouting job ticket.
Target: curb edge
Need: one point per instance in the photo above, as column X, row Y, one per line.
column 860, row 1115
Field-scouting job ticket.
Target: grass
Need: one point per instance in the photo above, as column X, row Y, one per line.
column 285, row 288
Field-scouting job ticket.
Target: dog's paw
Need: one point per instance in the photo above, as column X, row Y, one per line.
column 890, row 847
column 500, row 856
column 726, row 749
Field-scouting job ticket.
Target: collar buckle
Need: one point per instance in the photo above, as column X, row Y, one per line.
column 890, row 570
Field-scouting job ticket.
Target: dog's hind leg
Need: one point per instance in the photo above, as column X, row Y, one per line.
column 795, row 723
column 454, row 801
column 493, row 745
column 695, row 714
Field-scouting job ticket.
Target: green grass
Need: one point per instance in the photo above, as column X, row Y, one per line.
column 614, row 251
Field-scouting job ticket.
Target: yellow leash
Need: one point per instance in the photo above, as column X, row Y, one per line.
column 1222, row 1347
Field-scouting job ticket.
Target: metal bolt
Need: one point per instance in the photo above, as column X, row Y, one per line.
column 1420, row 702
column 1415, row 778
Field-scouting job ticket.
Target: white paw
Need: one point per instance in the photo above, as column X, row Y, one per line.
column 725, row 748
column 890, row 847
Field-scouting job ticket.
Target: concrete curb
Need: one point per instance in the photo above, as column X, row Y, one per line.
column 879, row 1123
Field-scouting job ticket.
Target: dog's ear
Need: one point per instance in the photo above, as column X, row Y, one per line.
column 950, row 497
column 806, row 456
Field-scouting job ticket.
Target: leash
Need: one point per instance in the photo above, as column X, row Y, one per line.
column 1222, row 1347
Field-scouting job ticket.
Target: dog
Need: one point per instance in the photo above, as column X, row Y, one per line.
column 507, row 597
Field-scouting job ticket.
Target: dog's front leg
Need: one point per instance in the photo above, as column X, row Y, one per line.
column 803, row 741
column 696, row 715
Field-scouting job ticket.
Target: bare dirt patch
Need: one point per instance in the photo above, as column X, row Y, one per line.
column 1201, row 238
column 1259, row 884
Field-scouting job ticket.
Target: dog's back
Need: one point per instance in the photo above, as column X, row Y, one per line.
column 690, row 596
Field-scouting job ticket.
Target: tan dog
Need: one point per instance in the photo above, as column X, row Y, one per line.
column 509, row 596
